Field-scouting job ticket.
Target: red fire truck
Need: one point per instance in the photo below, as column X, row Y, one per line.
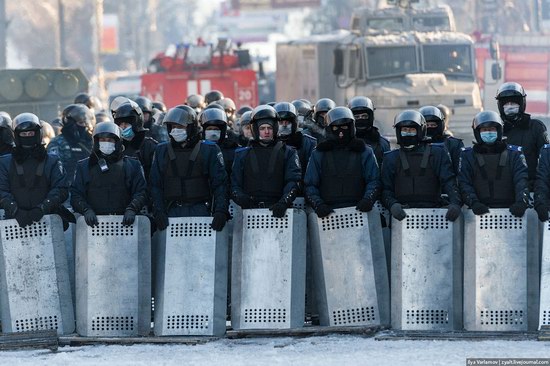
column 198, row 69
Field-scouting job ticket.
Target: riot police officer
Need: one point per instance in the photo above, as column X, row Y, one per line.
column 245, row 134
column 238, row 115
column 89, row 101
column 153, row 130
column 159, row 106
column 108, row 183
column 6, row 134
column 188, row 177
column 195, row 101
column 363, row 112
column 32, row 182
column 266, row 173
column 316, row 128
column 417, row 173
column 75, row 141
column 129, row 117
column 435, row 130
column 214, row 125
column 289, row 134
column 342, row 171
column 493, row 173
column 213, row 96
column 304, row 111
column 519, row 128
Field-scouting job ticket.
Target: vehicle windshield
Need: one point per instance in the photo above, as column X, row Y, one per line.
column 448, row 59
column 431, row 23
column 391, row 61
column 385, row 24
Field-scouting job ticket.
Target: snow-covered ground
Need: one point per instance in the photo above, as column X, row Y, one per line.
column 315, row 351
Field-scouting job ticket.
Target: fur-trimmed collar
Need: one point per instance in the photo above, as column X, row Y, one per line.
column 355, row 145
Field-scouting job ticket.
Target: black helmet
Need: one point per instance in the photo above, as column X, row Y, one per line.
column 487, row 119
column 228, row 105
column 5, row 120
column 287, row 112
column 323, row 105
column 160, row 106
column 102, row 117
column 131, row 113
column 184, row 116
column 26, row 122
column 75, row 113
column 339, row 116
column 214, row 117
column 264, row 114
column 303, row 108
column 213, row 96
column 410, row 118
column 433, row 114
column 246, row 118
column 242, row 110
column 511, row 92
column 360, row 105
column 145, row 104
column 195, row 101
column 215, row 105
column 6, row 133
column 117, row 102
column 107, row 130
column 89, row 101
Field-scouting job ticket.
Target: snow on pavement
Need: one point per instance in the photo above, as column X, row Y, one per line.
column 314, row 351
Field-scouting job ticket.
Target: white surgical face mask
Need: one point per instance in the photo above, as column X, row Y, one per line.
column 179, row 134
column 106, row 148
column 212, row 135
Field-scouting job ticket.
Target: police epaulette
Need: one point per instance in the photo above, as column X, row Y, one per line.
column 309, row 137
column 464, row 148
column 244, row 148
column 514, row 148
column 206, row 142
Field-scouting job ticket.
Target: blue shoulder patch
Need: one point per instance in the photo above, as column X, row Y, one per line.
column 546, row 146
column 465, row 148
column 515, row 148
column 206, row 142
column 241, row 149
column 309, row 137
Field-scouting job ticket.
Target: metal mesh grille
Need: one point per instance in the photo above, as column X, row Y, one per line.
column 108, row 323
column 266, row 222
column 232, row 208
column 187, row 322
column 112, row 229
column 16, row 232
column 342, row 221
column 500, row 222
column 426, row 221
column 264, row 315
column 427, row 316
column 39, row 323
column 501, row 317
column 545, row 318
column 350, row 316
column 188, row 229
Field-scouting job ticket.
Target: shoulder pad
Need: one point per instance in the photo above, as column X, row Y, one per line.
column 515, row 148
column 465, row 148
column 206, row 142
column 241, row 149
column 309, row 137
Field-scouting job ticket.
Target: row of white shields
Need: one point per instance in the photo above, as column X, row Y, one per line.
column 480, row 273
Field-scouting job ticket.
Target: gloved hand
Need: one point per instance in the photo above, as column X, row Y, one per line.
column 365, row 205
column 129, row 217
column 218, row 221
column 479, row 208
column 90, row 218
column 397, row 211
column 22, row 217
column 161, row 219
column 36, row 214
column 279, row 209
column 542, row 212
column 11, row 209
column 518, row 209
column 244, row 201
column 453, row 211
column 323, row 210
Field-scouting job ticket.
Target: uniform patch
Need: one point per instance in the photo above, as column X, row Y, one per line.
column 220, row 159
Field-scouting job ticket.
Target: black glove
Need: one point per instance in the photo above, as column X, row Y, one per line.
column 11, row 209
column 323, row 210
column 397, row 211
column 479, row 208
column 22, row 217
column 129, row 217
column 453, row 211
column 365, row 205
column 90, row 218
column 279, row 209
column 161, row 220
column 36, row 214
column 218, row 221
column 542, row 212
column 518, row 209
column 244, row 201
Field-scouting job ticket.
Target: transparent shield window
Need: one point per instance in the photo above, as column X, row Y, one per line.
column 448, row 59
column 431, row 23
column 391, row 61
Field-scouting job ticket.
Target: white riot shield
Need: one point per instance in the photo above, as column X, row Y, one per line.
column 426, row 272
column 496, row 274
column 349, row 268
column 35, row 292
column 191, row 287
column 268, row 270
column 113, row 277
